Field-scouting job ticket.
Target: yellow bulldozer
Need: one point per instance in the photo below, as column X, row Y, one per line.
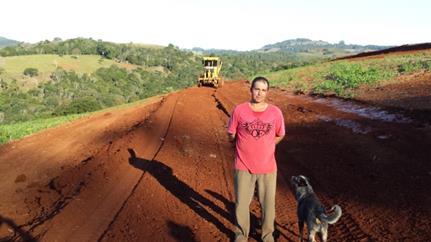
column 211, row 74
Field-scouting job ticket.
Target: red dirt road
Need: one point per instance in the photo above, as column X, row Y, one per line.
column 163, row 172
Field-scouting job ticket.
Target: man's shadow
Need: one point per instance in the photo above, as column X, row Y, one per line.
column 195, row 201
column 19, row 234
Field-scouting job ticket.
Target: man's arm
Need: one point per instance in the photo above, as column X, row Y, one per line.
column 278, row 139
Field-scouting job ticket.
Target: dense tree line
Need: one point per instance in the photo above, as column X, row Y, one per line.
column 68, row 92
column 240, row 65
column 237, row 64
column 132, row 53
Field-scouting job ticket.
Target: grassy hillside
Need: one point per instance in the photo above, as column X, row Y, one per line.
column 13, row 66
column 343, row 77
column 15, row 131
column 10, row 132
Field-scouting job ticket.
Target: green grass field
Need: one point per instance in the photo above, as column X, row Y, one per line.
column 15, row 131
column 12, row 67
column 344, row 76
column 9, row 132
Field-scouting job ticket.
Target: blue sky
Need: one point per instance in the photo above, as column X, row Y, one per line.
column 223, row 24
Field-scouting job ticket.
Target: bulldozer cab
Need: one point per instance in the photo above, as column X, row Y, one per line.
column 210, row 63
column 211, row 72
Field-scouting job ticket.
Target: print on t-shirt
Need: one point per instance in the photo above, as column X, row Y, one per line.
column 257, row 128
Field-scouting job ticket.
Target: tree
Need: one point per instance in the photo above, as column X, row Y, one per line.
column 80, row 105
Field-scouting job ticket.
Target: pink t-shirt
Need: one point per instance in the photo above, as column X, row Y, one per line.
column 255, row 137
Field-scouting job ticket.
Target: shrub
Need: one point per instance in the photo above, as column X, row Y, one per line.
column 344, row 76
column 427, row 65
column 409, row 67
column 80, row 105
column 30, row 71
column 351, row 75
column 413, row 66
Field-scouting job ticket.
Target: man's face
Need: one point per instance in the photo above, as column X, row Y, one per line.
column 259, row 91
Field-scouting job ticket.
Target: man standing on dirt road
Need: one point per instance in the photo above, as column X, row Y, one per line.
column 256, row 127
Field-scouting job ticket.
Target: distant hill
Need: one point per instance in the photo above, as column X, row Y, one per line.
column 402, row 48
column 7, row 42
column 214, row 51
column 307, row 45
column 303, row 49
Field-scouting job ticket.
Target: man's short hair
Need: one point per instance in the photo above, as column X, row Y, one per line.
column 259, row 79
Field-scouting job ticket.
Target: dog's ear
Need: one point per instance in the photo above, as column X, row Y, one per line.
column 303, row 181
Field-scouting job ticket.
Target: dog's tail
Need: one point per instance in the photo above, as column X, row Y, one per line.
column 332, row 219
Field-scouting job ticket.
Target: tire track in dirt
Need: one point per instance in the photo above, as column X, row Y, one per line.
column 190, row 174
column 55, row 177
column 169, row 178
column 133, row 154
column 223, row 144
column 340, row 148
column 96, row 211
column 346, row 229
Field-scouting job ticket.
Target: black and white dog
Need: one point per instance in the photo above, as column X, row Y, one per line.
column 311, row 211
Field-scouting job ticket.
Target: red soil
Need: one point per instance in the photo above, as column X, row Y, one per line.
column 163, row 172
